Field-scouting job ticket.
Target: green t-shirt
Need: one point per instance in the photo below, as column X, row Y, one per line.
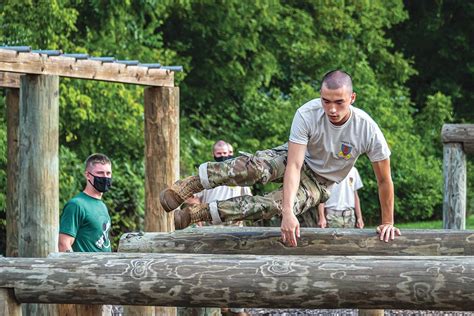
column 87, row 220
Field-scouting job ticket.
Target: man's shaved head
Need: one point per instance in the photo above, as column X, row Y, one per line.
column 337, row 79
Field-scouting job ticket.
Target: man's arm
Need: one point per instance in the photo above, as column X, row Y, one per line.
column 321, row 216
column 290, row 227
column 358, row 212
column 386, row 195
column 65, row 242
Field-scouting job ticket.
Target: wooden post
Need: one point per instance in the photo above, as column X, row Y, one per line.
column 392, row 282
column 38, row 187
column 8, row 303
column 454, row 200
column 161, row 153
column 13, row 171
column 161, row 165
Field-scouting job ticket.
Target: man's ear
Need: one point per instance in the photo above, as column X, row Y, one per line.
column 353, row 97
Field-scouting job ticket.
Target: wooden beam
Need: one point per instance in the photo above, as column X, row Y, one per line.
column 13, row 171
column 419, row 283
column 38, row 187
column 9, row 80
column 313, row 241
column 8, row 303
column 459, row 133
column 161, row 153
column 454, row 199
column 161, row 165
column 42, row 64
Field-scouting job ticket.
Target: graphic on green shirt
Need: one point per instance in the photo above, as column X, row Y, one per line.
column 87, row 220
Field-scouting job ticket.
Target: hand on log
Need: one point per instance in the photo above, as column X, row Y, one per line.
column 290, row 229
column 388, row 231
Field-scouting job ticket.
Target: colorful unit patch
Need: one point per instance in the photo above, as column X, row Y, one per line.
column 345, row 152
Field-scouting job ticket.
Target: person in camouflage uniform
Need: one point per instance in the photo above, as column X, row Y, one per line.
column 327, row 136
column 342, row 210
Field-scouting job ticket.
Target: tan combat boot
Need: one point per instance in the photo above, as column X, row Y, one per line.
column 192, row 214
column 171, row 198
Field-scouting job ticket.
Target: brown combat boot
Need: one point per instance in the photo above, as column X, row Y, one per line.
column 171, row 198
column 192, row 214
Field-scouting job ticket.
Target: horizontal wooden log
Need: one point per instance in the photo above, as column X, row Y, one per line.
column 459, row 133
column 42, row 64
column 9, row 80
column 313, row 241
column 440, row 283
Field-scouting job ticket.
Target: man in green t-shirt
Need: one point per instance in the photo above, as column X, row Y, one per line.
column 85, row 221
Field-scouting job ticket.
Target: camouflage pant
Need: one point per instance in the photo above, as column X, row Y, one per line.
column 341, row 219
column 263, row 167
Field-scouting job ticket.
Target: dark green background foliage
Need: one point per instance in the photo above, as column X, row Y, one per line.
column 248, row 65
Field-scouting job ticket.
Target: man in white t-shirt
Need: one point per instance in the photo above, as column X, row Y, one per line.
column 342, row 210
column 327, row 136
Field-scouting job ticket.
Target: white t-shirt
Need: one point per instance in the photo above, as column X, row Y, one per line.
column 222, row 193
column 342, row 193
column 333, row 150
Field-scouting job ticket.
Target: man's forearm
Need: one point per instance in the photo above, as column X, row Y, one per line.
column 290, row 188
column 386, row 196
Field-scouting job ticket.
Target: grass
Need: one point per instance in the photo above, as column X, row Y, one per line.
column 434, row 224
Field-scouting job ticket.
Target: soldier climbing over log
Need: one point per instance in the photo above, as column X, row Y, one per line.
column 327, row 136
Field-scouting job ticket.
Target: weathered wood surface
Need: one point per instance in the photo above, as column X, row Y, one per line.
column 41, row 64
column 161, row 164
column 161, row 153
column 38, row 186
column 313, row 241
column 13, row 171
column 454, row 198
column 458, row 133
column 9, row 80
column 8, row 303
column 420, row 283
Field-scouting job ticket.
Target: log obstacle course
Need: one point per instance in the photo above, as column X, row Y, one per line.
column 32, row 78
column 313, row 241
column 393, row 282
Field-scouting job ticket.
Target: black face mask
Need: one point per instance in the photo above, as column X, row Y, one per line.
column 222, row 158
column 101, row 184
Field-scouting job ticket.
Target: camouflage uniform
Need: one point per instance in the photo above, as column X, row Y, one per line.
column 263, row 167
column 341, row 219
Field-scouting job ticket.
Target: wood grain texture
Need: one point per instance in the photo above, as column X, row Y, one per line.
column 457, row 133
column 8, row 303
column 454, row 193
column 13, row 171
column 313, row 241
column 369, row 282
column 41, row 64
column 38, row 186
column 9, row 80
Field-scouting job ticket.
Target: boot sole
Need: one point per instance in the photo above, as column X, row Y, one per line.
column 164, row 203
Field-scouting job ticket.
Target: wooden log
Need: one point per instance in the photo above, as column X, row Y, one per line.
column 9, row 80
column 13, row 171
column 161, row 165
column 459, row 133
column 8, row 303
column 313, row 241
column 38, row 187
column 369, row 282
column 42, row 64
column 161, row 153
column 454, row 199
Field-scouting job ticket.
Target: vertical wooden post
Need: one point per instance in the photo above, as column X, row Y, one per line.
column 13, row 221
column 8, row 303
column 454, row 200
column 161, row 168
column 38, row 186
column 161, row 153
